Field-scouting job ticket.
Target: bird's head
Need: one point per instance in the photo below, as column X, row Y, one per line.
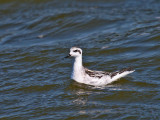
column 75, row 52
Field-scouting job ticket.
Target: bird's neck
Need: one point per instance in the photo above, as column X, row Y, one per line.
column 78, row 63
column 78, row 70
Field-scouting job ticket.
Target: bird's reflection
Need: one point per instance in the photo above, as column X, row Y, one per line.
column 81, row 92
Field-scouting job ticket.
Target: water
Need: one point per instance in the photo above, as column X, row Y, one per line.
column 35, row 81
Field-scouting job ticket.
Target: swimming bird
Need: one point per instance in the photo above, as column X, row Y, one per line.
column 91, row 77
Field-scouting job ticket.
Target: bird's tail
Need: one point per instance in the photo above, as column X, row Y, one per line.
column 119, row 74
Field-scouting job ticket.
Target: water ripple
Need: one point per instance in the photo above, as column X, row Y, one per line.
column 35, row 36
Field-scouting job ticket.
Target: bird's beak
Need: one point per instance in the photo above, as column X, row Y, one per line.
column 67, row 56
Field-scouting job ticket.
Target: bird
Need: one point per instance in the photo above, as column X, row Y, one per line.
column 84, row 75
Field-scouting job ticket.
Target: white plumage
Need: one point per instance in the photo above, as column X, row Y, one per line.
column 90, row 77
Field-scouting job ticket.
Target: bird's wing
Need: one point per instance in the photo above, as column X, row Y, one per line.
column 125, row 70
column 98, row 74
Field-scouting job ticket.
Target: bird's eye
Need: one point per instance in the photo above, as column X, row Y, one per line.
column 75, row 51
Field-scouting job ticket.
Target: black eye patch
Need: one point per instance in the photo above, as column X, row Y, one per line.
column 77, row 51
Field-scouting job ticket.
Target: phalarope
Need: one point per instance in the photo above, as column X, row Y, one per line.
column 90, row 77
